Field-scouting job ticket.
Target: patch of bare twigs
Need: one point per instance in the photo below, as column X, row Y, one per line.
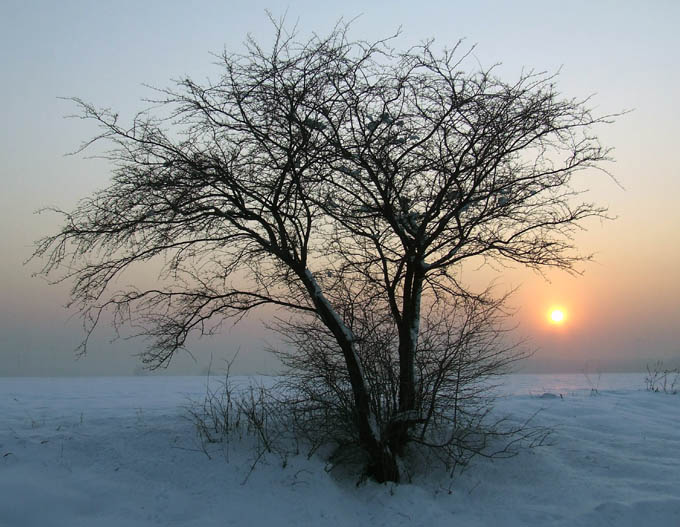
column 662, row 379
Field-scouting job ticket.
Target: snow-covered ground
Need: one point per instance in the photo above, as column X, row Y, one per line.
column 120, row 452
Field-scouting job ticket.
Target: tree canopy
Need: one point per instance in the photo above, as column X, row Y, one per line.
column 316, row 171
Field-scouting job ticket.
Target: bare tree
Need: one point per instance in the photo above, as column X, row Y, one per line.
column 319, row 163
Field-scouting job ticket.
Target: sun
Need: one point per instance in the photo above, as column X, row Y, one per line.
column 557, row 316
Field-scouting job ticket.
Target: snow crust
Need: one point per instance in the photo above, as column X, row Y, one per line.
column 119, row 451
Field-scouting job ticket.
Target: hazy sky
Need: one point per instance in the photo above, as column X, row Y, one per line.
column 624, row 309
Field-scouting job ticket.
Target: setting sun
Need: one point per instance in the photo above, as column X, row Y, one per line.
column 556, row 316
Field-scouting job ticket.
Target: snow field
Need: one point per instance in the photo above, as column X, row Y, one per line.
column 120, row 451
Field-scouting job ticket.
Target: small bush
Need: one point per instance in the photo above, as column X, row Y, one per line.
column 662, row 379
column 251, row 412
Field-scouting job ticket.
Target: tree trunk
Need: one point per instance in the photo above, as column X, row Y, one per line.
column 383, row 464
column 408, row 340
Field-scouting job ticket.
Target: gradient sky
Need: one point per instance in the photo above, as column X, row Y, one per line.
column 623, row 311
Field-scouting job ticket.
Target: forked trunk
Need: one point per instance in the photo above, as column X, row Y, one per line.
column 383, row 464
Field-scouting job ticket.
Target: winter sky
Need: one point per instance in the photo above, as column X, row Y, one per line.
column 623, row 310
